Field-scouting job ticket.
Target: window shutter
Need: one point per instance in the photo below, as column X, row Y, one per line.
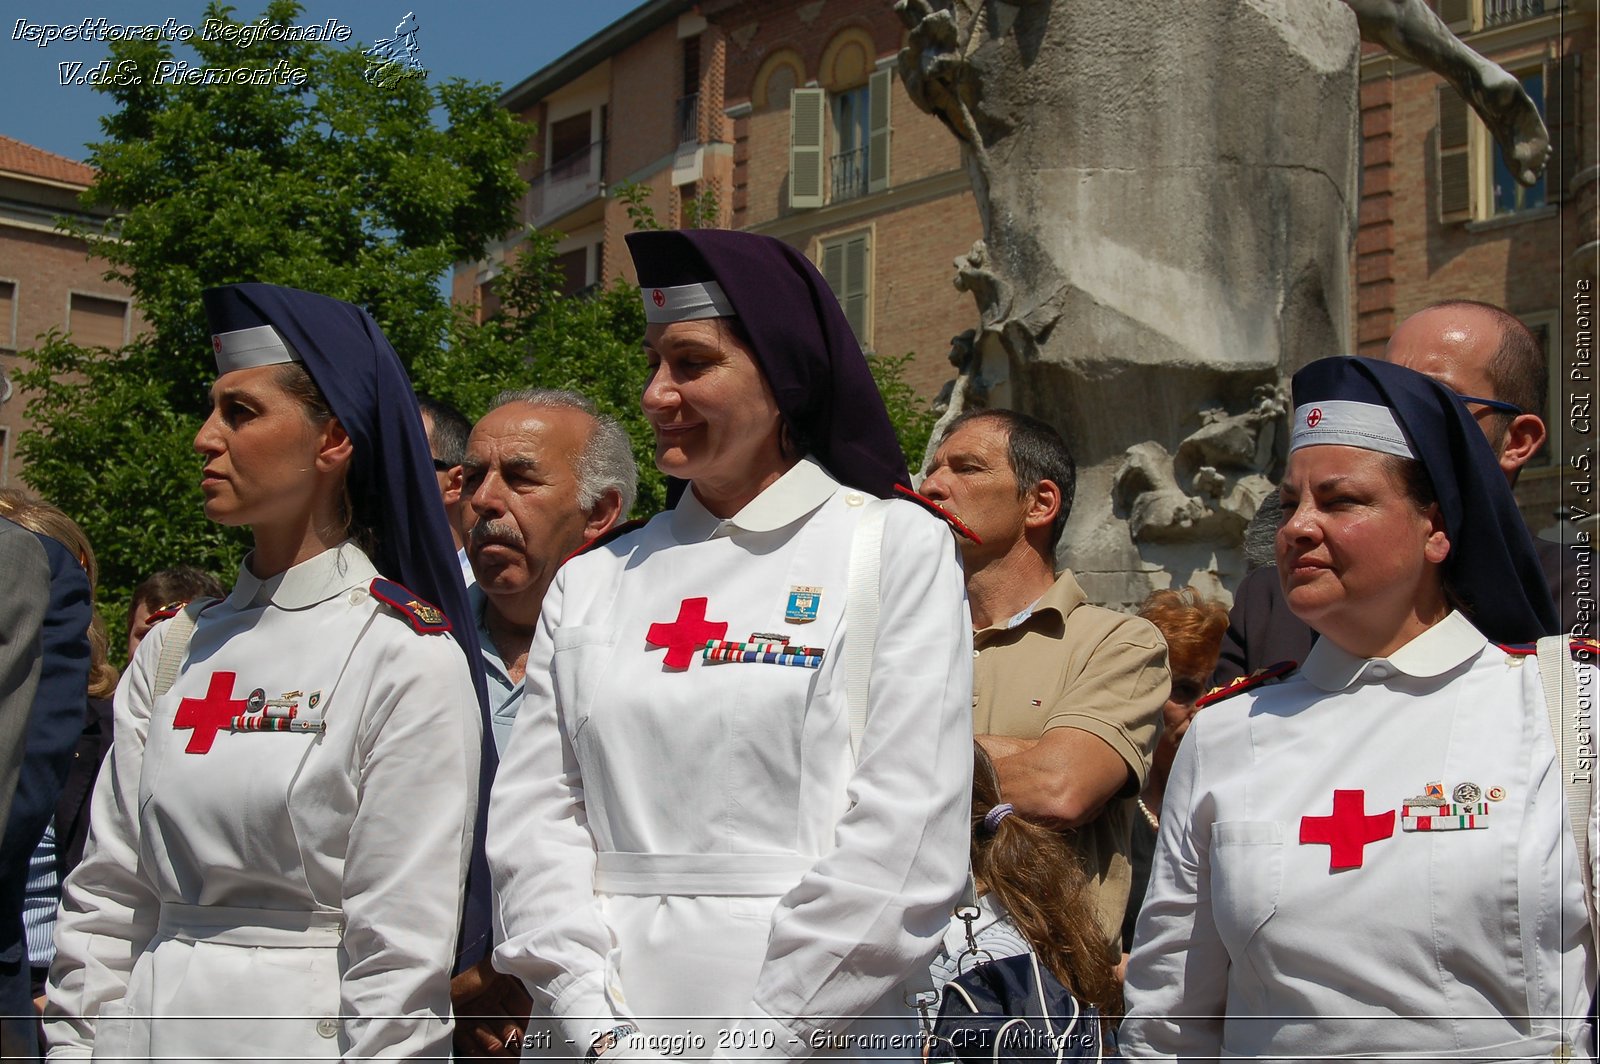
column 1457, row 14
column 1455, row 163
column 880, row 85
column 807, row 108
column 1563, row 113
column 833, row 268
column 8, row 315
column 856, row 287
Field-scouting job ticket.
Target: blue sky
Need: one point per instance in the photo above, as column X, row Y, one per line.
column 492, row 40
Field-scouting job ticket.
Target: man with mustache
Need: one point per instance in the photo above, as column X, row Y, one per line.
column 544, row 474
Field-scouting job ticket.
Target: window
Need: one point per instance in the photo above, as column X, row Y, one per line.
column 847, row 267
column 95, row 321
column 859, row 160
column 688, row 113
column 488, row 300
column 1474, row 182
column 1509, row 195
column 568, row 138
column 574, row 267
column 849, row 161
column 8, row 315
column 1467, row 16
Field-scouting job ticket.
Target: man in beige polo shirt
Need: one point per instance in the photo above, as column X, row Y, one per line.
column 1066, row 696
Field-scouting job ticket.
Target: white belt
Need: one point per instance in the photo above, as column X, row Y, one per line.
column 230, row 926
column 737, row 874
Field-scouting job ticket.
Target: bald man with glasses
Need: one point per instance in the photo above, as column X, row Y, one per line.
column 1496, row 365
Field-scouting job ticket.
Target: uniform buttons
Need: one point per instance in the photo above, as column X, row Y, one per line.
column 327, row 1027
column 1380, row 672
column 855, row 498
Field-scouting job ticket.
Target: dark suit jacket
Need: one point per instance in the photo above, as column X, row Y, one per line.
column 26, row 593
column 54, row 725
column 72, row 808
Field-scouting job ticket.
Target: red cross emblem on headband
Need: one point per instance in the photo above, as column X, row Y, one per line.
column 216, row 344
column 658, row 297
column 1314, row 418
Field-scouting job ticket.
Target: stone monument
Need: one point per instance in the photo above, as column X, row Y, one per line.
column 1168, row 194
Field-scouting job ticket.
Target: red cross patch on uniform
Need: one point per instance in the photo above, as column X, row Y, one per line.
column 688, row 635
column 1347, row 832
column 206, row 716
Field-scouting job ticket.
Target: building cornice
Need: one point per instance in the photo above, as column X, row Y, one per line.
column 861, row 208
column 630, row 29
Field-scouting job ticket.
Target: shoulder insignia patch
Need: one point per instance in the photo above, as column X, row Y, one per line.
column 1585, row 646
column 165, row 613
column 938, row 511
column 1259, row 678
column 614, row 532
column 1519, row 650
column 422, row 616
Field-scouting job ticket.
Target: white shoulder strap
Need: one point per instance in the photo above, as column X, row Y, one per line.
column 1563, row 701
column 176, row 643
column 861, row 617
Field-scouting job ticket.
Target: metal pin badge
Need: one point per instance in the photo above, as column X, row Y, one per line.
column 803, row 604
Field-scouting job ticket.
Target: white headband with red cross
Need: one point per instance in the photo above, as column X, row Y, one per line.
column 247, row 348
column 686, row 302
column 1348, row 423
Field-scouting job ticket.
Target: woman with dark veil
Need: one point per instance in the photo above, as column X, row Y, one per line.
column 1374, row 857
column 279, row 838
column 732, row 817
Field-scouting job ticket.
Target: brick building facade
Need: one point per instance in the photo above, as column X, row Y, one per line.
column 791, row 116
column 696, row 104
column 1441, row 218
column 47, row 279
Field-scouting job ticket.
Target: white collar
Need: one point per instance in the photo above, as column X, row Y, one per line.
column 1442, row 647
column 315, row 580
column 786, row 500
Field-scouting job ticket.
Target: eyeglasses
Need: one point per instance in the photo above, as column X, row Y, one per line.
column 1493, row 404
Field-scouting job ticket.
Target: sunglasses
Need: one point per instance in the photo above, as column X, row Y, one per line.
column 1493, row 404
column 442, row 466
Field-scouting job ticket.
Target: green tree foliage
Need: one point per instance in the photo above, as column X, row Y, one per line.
column 588, row 343
column 334, row 185
column 909, row 413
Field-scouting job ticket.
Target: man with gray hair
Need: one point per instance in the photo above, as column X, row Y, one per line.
column 544, row 474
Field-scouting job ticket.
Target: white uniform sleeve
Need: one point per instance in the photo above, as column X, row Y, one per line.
column 109, row 910
column 542, row 855
column 410, row 841
column 874, row 908
column 1177, row 983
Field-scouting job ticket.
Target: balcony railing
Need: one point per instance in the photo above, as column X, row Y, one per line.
column 1500, row 12
column 569, row 183
column 849, row 174
column 687, row 120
